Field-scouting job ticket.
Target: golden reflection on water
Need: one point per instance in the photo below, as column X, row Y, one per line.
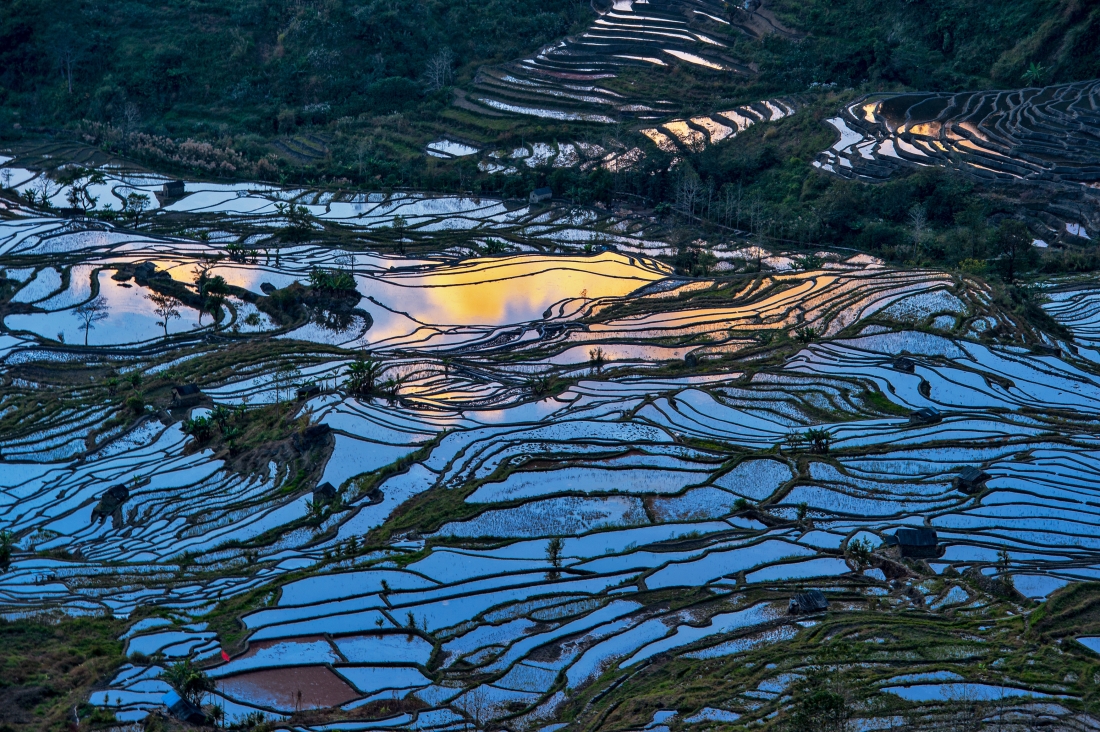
column 927, row 129
column 480, row 292
column 512, row 290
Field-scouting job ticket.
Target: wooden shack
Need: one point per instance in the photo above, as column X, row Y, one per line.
column 901, row 363
column 305, row 392
column 173, row 189
column 970, row 480
column 806, row 603
column 183, row 710
column 926, row 415
column 541, row 194
column 922, row 543
column 186, row 395
column 324, row 493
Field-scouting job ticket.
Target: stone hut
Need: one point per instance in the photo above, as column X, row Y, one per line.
column 541, row 194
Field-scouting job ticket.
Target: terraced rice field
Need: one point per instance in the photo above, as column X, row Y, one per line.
column 568, row 80
column 565, row 473
column 1041, row 135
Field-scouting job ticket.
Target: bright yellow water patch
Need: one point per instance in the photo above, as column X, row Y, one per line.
column 869, row 111
column 508, row 290
column 926, row 129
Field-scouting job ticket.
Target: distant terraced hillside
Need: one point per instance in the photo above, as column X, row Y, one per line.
column 568, row 79
column 1049, row 136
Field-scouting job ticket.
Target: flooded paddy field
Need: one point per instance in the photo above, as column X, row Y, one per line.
column 1043, row 136
column 569, row 80
column 414, row 462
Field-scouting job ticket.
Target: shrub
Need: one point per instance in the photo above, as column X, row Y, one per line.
column 331, row 280
column 198, row 427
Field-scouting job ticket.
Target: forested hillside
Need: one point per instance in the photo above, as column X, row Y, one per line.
column 251, row 65
column 265, row 68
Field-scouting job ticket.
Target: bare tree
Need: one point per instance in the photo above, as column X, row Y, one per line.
column 131, row 117
column 687, row 190
column 90, row 313
column 363, row 152
column 285, row 380
column 45, row 190
column 476, row 704
column 918, row 220
column 165, row 307
column 439, row 73
column 731, row 203
column 66, row 63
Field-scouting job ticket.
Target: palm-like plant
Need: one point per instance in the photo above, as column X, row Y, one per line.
column 1035, row 74
column 363, row 375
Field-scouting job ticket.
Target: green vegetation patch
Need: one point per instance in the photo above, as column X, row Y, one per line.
column 49, row 665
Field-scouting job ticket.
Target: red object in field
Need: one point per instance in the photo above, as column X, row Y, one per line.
column 225, row 656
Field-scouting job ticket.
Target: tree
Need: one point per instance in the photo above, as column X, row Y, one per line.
column 438, row 75
column 7, row 543
column 78, row 179
column 165, row 307
column 212, row 290
column 67, row 53
column 476, row 703
column 860, row 553
column 91, row 313
column 553, row 555
column 189, row 682
column 217, row 714
column 286, row 375
column 201, row 276
column 918, row 221
column 299, row 224
column 131, row 117
column 687, row 190
column 819, row 440
column 136, row 203
column 331, row 279
column 43, row 190
column 1013, row 240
